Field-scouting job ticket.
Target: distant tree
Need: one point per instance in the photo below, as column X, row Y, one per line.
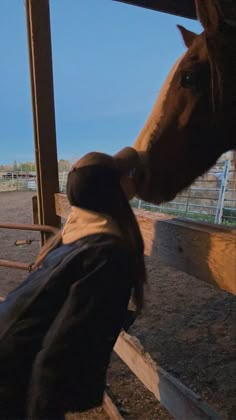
column 4, row 168
column 33, row 167
column 63, row 165
column 15, row 166
column 27, row 167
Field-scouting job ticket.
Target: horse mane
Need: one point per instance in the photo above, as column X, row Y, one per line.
column 216, row 84
column 216, row 65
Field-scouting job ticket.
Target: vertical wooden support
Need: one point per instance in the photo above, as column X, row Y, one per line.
column 40, row 58
column 35, row 209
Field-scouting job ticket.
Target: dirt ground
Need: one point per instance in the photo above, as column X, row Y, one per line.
column 187, row 326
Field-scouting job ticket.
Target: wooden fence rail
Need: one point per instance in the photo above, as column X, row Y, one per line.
column 203, row 250
column 179, row 400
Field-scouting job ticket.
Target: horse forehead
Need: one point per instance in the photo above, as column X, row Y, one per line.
column 198, row 52
column 167, row 83
column 176, row 66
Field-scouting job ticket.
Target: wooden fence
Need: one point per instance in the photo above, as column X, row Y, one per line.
column 206, row 251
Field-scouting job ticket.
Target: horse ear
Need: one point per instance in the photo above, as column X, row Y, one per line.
column 187, row 35
column 209, row 14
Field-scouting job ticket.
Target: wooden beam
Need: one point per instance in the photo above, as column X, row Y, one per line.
column 180, row 401
column 35, row 215
column 110, row 408
column 203, row 250
column 184, row 8
column 40, row 58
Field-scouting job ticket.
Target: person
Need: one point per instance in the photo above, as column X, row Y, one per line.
column 58, row 328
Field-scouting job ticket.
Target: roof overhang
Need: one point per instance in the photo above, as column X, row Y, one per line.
column 184, row 8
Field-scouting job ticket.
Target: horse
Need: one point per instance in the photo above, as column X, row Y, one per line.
column 193, row 120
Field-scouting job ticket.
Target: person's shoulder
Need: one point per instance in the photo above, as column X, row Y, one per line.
column 89, row 251
column 112, row 243
column 110, row 247
column 117, row 250
column 104, row 242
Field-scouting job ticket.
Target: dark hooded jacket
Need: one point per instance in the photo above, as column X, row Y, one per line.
column 58, row 328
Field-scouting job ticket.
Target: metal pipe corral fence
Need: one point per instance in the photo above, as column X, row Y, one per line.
column 21, row 226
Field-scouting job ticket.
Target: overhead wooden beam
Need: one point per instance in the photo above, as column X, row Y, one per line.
column 40, row 58
column 179, row 400
column 184, row 8
column 205, row 251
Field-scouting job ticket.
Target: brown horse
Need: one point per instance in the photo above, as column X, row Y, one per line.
column 194, row 118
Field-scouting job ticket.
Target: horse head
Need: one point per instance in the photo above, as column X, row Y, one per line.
column 194, row 118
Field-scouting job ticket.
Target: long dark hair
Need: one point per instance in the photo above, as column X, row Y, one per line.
column 96, row 187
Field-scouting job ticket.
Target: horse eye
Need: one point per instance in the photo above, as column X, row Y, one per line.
column 188, row 80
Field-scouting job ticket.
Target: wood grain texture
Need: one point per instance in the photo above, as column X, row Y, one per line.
column 35, row 215
column 200, row 249
column 110, row 408
column 180, row 401
column 203, row 250
column 41, row 76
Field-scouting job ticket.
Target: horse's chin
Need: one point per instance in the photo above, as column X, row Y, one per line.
column 153, row 196
column 167, row 197
column 158, row 187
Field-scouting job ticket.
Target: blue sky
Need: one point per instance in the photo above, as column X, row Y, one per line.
column 109, row 62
